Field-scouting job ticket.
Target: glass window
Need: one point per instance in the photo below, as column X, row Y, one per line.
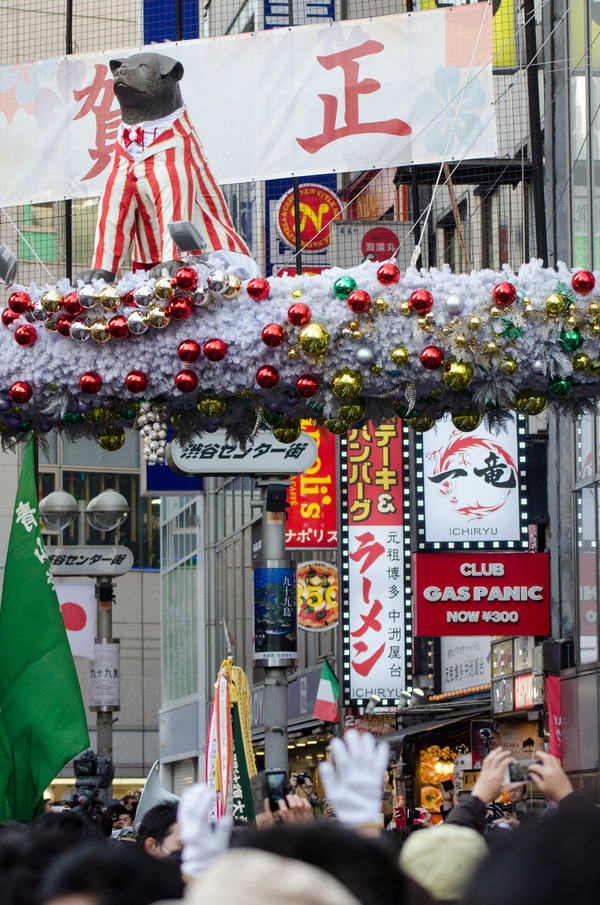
column 87, row 453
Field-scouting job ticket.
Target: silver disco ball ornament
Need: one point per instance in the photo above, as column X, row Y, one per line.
column 217, row 281
column 137, row 322
column 87, row 296
column 201, row 296
column 143, row 296
column 80, row 331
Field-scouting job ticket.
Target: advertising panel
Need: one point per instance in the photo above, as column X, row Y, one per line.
column 317, row 596
column 312, row 511
column 275, row 640
column 105, row 680
column 464, row 663
column 482, row 593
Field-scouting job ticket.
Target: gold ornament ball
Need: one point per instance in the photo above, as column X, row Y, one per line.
column 399, row 356
column 112, row 439
column 495, row 311
column 357, row 334
column 424, row 324
column 347, row 332
column 507, row 367
column 212, row 406
column 234, row 288
column 51, row 301
column 109, row 297
column 346, row 383
column 50, row 325
column 554, row 304
column 336, row 425
column 571, row 307
column 164, row 288
column 287, row 431
column 525, row 300
column 421, row 423
column 99, row 331
column 380, row 304
column 314, row 339
column 528, row 310
column 474, row 322
column 531, row 402
column 460, row 340
column 292, row 354
column 466, row 420
column 491, row 347
column 594, row 309
column 594, row 329
column 157, row 317
column 297, row 294
column 353, row 325
column 581, row 361
column 354, row 411
column 404, row 308
column 572, row 320
column 96, row 415
column 457, row 375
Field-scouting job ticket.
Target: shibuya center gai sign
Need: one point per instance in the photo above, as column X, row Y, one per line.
column 481, row 593
column 214, row 454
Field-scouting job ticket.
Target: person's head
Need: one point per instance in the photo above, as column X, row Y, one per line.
column 519, row 793
column 443, row 859
column 120, row 816
column 158, row 833
column 129, row 802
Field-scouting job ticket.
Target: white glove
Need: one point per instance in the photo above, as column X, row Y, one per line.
column 353, row 783
column 201, row 840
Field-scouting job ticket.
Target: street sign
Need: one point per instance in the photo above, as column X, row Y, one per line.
column 100, row 560
column 213, row 454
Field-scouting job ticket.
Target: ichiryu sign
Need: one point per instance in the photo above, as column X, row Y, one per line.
column 481, row 593
column 214, row 454
column 94, row 561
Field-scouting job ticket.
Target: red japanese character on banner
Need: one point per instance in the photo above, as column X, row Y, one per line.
column 368, row 550
column 347, row 60
column 99, row 99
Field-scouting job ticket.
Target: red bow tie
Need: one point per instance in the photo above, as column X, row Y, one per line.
column 131, row 136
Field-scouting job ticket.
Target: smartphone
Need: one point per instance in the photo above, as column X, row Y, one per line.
column 447, row 785
column 270, row 784
column 518, row 771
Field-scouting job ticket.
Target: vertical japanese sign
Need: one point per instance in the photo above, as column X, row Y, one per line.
column 105, row 681
column 275, row 613
column 312, row 512
column 375, row 564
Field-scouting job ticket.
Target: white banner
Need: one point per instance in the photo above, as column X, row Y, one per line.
column 464, row 663
column 105, row 680
column 77, row 605
column 312, row 99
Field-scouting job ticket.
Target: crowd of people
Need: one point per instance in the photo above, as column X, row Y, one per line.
column 305, row 850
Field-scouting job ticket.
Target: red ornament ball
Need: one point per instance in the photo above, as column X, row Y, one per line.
column 90, row 382
column 359, row 301
column 299, row 314
column 180, row 308
column 71, row 304
column 421, row 301
column 129, row 300
column 26, row 335
column 188, row 350
column 432, row 358
column 136, row 381
column 20, row 392
column 19, row 302
column 118, row 326
column 388, row 273
column 504, row 294
column 9, row 317
column 583, row 282
column 186, row 381
column 307, row 385
column 214, row 349
column 273, row 335
column 186, row 278
column 63, row 324
column 267, row 377
column 258, row 289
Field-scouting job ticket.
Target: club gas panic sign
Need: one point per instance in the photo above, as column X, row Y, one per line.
column 481, row 593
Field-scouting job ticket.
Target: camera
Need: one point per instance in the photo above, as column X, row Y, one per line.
column 271, row 785
column 486, row 734
column 518, row 772
column 301, row 778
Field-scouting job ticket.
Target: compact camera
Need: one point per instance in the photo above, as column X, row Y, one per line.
column 301, row 778
column 518, row 772
column 271, row 785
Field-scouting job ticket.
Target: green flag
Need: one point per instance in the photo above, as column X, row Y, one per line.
column 42, row 717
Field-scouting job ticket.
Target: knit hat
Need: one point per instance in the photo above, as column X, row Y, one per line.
column 443, row 859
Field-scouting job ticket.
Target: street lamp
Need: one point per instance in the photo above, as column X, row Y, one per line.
column 105, row 512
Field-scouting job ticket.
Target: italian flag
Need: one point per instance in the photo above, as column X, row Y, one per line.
column 325, row 704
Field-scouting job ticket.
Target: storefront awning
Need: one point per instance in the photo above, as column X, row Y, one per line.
column 428, row 725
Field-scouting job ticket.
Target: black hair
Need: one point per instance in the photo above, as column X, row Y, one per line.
column 157, row 822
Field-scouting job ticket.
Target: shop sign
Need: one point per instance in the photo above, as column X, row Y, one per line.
column 213, row 454
column 318, row 207
column 317, row 596
column 374, row 563
column 375, row 723
column 275, row 640
column 469, row 487
column 482, row 593
column 105, row 680
column 523, row 693
column 464, row 663
column 553, row 695
column 312, row 511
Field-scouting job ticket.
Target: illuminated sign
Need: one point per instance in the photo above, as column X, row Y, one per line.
column 312, row 511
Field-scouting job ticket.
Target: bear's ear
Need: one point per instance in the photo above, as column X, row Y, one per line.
column 171, row 67
column 114, row 65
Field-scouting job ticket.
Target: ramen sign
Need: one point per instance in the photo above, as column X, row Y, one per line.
column 318, row 207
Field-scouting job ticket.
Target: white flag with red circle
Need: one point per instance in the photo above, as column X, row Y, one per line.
column 77, row 605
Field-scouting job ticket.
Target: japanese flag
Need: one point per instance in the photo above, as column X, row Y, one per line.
column 77, row 604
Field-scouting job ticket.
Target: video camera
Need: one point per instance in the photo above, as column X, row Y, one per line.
column 92, row 773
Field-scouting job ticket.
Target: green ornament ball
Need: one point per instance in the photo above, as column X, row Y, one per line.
column 560, row 386
column 72, row 417
column 571, row 340
column 343, row 286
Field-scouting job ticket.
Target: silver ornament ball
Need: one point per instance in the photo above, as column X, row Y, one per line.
column 365, row 356
column 538, row 366
column 454, row 303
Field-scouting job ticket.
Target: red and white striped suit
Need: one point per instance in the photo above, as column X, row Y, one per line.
column 170, row 181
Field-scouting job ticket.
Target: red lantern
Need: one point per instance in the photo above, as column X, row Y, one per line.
column 273, row 335
column 19, row 302
column 583, row 282
column 186, row 381
column 71, row 304
column 267, row 377
column 214, row 349
column 504, row 294
column 118, row 326
column 388, row 273
column 359, row 301
column 9, row 317
column 90, row 382
column 180, row 308
column 258, row 289
column 63, row 325
column 421, row 301
column 432, row 358
column 299, row 314
column 188, row 350
column 136, row 381
column 20, row 392
column 186, row 278
column 26, row 335
column 307, row 386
